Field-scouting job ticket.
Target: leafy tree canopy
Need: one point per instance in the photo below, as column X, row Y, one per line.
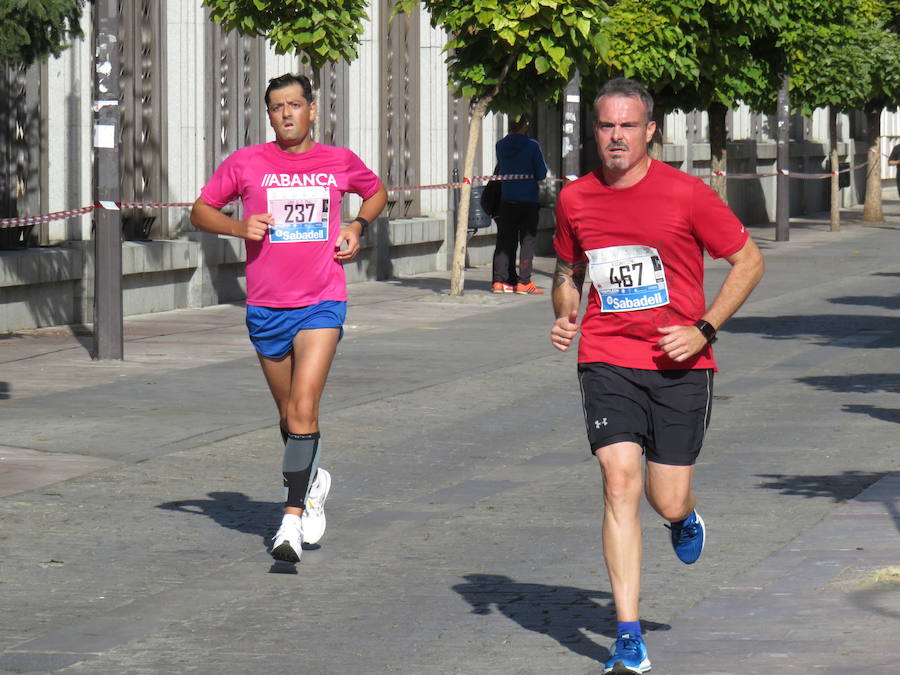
column 320, row 31
column 529, row 47
column 697, row 53
column 654, row 41
column 34, row 29
column 882, row 39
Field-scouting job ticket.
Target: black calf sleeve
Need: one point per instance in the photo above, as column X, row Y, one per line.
column 301, row 454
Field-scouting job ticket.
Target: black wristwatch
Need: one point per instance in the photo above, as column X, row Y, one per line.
column 707, row 329
column 363, row 222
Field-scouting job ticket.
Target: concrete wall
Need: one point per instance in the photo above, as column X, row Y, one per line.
column 753, row 199
column 55, row 285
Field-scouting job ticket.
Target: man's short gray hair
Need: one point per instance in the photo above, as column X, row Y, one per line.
column 623, row 86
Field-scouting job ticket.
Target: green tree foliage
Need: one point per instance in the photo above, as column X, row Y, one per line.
column 883, row 44
column 513, row 52
column 319, row 31
column 34, row 29
column 831, row 65
column 714, row 54
column 506, row 55
column 692, row 54
column 654, row 41
column 849, row 60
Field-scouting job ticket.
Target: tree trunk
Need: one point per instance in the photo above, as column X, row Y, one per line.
column 718, row 153
column 872, row 212
column 458, row 267
column 656, row 147
column 835, row 167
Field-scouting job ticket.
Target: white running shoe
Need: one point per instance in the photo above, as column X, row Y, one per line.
column 287, row 544
column 314, row 514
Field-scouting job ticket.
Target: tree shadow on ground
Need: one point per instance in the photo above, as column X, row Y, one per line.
column 564, row 613
column 887, row 302
column 824, row 329
column 868, row 383
column 880, row 600
column 837, row 487
column 883, row 414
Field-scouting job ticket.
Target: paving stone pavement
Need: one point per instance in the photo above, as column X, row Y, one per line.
column 136, row 497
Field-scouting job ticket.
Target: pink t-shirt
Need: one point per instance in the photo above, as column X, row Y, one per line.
column 294, row 265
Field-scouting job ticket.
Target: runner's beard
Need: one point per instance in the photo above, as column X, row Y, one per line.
column 611, row 161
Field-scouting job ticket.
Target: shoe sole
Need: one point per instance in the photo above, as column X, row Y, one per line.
column 703, row 545
column 285, row 552
column 619, row 669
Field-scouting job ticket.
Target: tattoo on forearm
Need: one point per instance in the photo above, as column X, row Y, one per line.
column 569, row 274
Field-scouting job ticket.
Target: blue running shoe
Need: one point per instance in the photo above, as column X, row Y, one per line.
column 629, row 655
column 688, row 538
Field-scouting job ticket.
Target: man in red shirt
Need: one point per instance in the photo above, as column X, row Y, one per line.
column 638, row 228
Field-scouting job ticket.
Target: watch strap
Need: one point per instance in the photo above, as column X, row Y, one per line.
column 707, row 329
column 362, row 221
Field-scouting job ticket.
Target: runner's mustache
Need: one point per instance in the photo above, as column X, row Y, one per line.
column 616, row 146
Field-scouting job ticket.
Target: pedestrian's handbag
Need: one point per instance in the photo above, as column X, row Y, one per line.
column 490, row 196
column 547, row 191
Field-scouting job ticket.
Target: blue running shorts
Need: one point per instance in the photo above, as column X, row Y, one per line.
column 273, row 329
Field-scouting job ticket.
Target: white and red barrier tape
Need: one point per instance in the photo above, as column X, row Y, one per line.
column 783, row 172
column 73, row 213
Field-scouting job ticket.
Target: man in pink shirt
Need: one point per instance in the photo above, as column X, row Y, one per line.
column 291, row 192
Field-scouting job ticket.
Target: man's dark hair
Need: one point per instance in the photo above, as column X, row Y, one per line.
column 287, row 80
column 623, row 86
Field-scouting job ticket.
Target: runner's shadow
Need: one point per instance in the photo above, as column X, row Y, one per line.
column 233, row 510
column 236, row 512
column 564, row 613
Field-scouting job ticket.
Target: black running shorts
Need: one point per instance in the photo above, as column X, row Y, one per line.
column 666, row 412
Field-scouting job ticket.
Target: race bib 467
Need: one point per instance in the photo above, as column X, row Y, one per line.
column 300, row 214
column 628, row 278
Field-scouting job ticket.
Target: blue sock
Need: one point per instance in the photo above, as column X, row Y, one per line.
column 690, row 520
column 632, row 628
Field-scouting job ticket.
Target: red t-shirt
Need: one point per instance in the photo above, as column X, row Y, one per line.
column 644, row 245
